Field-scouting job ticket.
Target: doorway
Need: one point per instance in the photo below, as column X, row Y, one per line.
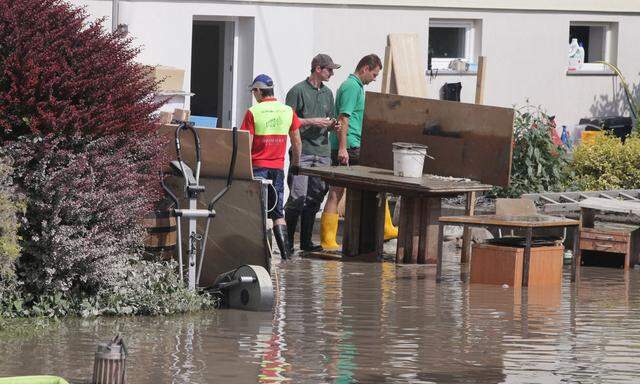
column 212, row 71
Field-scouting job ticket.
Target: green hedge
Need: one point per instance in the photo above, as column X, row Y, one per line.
column 607, row 163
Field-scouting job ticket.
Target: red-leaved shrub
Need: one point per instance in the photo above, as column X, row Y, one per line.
column 59, row 73
column 75, row 117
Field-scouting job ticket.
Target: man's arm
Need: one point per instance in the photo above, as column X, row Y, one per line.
column 296, row 148
column 343, row 155
column 316, row 121
column 248, row 123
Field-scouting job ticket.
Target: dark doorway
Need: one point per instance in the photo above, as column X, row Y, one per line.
column 207, row 65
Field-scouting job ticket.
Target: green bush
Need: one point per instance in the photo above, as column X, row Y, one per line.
column 10, row 205
column 607, row 163
column 146, row 288
column 538, row 165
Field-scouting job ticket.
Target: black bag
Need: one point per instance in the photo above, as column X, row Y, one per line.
column 450, row 91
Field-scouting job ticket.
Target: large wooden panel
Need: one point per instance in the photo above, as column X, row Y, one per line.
column 407, row 64
column 467, row 140
column 236, row 234
column 216, row 147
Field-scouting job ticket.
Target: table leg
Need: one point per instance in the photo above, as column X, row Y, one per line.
column 372, row 224
column 466, row 234
column 352, row 220
column 429, row 242
column 439, row 257
column 414, row 233
column 575, row 263
column 527, row 257
column 402, row 229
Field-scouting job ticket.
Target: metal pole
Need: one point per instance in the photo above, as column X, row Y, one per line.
column 115, row 12
column 193, row 204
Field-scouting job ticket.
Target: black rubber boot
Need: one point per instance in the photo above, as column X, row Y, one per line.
column 291, row 217
column 306, row 231
column 280, row 233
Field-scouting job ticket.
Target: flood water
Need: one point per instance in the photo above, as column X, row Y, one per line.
column 354, row 322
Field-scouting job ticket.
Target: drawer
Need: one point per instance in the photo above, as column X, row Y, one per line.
column 590, row 233
column 603, row 245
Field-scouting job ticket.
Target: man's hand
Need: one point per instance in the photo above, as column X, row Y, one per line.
column 323, row 122
column 335, row 126
column 343, row 156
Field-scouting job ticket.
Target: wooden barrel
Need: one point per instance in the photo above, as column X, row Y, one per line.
column 161, row 239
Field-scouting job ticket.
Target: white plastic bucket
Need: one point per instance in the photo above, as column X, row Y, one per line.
column 408, row 159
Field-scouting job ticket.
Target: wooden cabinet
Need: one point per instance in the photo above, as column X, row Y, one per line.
column 612, row 240
column 495, row 264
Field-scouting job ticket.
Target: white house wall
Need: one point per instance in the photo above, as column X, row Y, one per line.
column 526, row 50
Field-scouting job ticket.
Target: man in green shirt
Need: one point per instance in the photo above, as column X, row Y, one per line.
column 313, row 103
column 345, row 144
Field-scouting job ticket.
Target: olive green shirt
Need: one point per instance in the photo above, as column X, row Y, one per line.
column 350, row 102
column 308, row 101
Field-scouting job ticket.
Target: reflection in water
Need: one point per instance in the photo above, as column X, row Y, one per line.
column 370, row 323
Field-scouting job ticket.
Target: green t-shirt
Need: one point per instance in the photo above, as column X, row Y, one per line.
column 308, row 101
column 350, row 102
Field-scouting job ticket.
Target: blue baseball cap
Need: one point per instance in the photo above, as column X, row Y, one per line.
column 261, row 81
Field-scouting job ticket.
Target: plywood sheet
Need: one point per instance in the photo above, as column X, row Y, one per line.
column 216, row 148
column 515, row 207
column 466, row 140
column 408, row 64
column 236, row 234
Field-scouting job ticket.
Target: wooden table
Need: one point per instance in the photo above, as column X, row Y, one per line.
column 365, row 205
column 528, row 223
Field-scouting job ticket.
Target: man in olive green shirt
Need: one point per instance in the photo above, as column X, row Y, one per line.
column 345, row 145
column 313, row 103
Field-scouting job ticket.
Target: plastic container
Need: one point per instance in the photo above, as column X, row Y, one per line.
column 574, row 55
column 408, row 159
column 565, row 137
column 580, row 55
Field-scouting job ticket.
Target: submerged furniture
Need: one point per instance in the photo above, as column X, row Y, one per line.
column 528, row 223
column 607, row 240
column 364, row 214
column 503, row 264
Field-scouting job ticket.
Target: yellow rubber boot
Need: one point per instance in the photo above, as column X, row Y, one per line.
column 328, row 232
column 390, row 232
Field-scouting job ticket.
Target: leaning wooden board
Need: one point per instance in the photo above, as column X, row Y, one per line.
column 237, row 235
column 216, row 148
column 466, row 140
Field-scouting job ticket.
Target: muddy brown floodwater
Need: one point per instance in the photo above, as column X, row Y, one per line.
column 370, row 323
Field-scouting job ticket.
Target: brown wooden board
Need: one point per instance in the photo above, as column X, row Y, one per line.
column 533, row 221
column 236, row 234
column 376, row 179
column 216, row 147
column 466, row 140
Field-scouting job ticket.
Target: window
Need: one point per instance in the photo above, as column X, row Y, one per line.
column 450, row 40
column 599, row 41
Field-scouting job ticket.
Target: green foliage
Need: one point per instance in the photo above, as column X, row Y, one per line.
column 607, row 163
column 10, row 205
column 538, row 164
column 146, row 288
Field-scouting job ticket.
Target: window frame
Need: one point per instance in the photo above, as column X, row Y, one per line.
column 608, row 53
column 442, row 63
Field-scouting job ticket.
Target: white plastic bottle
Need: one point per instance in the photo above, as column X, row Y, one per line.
column 580, row 55
column 573, row 54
